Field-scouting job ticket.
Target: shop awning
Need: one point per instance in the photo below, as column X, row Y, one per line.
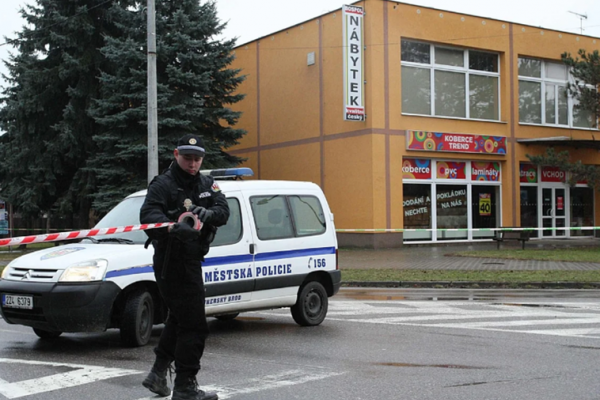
column 565, row 141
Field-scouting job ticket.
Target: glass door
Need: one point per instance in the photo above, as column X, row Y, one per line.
column 553, row 212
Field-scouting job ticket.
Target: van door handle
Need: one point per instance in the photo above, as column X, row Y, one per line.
column 252, row 248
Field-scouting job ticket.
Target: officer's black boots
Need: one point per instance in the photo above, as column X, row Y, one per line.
column 190, row 391
column 156, row 381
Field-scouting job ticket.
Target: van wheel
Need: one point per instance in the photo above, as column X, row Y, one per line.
column 137, row 319
column 311, row 307
column 227, row 317
column 43, row 334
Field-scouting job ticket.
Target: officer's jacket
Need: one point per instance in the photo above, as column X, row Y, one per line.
column 167, row 194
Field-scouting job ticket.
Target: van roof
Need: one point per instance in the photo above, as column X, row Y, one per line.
column 231, row 186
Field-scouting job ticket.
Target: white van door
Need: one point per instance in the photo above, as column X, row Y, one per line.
column 228, row 266
column 287, row 251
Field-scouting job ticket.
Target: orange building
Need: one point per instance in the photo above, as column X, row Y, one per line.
column 417, row 122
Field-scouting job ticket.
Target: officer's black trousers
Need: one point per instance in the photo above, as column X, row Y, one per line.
column 186, row 329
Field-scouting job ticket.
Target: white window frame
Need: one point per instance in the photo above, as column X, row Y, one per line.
column 432, row 67
column 433, row 183
column 542, row 81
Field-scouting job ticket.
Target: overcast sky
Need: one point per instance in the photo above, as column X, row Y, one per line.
column 251, row 19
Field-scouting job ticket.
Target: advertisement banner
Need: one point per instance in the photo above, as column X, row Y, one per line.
column 354, row 108
column 416, row 169
column 485, row 204
column 482, row 171
column 553, row 174
column 455, row 142
column 528, row 173
column 451, row 170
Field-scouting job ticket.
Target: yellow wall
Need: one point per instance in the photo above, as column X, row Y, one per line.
column 294, row 112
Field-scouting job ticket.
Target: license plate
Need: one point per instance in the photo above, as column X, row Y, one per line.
column 14, row 301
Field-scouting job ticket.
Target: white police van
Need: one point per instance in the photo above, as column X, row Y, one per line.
column 278, row 249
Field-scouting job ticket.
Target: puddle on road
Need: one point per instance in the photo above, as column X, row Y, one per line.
column 450, row 366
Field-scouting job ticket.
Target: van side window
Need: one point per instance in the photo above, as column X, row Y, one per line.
column 231, row 232
column 272, row 217
column 308, row 215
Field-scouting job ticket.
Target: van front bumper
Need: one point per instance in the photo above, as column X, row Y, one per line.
column 61, row 307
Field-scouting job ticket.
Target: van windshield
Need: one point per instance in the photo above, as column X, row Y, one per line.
column 126, row 213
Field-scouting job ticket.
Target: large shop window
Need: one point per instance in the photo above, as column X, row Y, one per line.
column 543, row 97
column 452, row 211
column 529, row 204
column 417, row 211
column 582, row 210
column 450, row 200
column 449, row 82
column 485, row 209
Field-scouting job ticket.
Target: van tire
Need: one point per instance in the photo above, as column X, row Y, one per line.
column 311, row 307
column 137, row 319
column 43, row 334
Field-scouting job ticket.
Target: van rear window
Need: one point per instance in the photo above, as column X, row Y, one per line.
column 308, row 215
column 281, row 217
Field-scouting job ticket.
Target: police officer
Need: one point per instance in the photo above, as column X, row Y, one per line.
column 178, row 253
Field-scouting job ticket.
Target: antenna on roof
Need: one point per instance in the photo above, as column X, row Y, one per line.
column 581, row 18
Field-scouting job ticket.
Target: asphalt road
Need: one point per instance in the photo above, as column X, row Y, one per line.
column 375, row 344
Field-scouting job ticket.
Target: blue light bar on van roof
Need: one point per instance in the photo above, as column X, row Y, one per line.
column 228, row 173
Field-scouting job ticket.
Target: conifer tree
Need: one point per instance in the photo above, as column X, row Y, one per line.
column 51, row 79
column 195, row 87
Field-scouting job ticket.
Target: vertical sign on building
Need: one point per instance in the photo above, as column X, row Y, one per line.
column 354, row 108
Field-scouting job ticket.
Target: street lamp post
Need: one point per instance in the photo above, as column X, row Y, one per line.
column 152, row 96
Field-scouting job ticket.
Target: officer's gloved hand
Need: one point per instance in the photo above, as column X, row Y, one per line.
column 184, row 232
column 203, row 214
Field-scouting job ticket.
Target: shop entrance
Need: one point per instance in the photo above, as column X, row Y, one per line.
column 553, row 212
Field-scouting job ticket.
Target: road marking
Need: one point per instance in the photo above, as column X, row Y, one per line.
column 269, row 382
column 81, row 375
column 477, row 315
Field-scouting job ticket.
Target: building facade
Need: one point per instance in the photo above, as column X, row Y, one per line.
column 417, row 122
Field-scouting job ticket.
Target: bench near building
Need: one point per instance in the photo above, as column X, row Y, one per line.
column 421, row 119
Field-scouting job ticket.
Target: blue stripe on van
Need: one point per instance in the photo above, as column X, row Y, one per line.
column 235, row 259
column 240, row 258
column 130, row 271
column 294, row 253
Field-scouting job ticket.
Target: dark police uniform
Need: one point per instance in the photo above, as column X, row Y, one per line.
column 181, row 284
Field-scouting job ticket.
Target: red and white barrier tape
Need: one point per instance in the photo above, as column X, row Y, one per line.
column 53, row 237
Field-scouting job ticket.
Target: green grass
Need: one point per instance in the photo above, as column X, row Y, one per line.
column 10, row 253
column 509, row 276
column 573, row 254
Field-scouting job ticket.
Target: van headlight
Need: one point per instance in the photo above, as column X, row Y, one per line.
column 86, row 271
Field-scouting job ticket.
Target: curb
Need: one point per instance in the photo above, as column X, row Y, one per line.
column 474, row 285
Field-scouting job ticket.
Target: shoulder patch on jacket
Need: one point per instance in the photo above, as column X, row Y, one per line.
column 215, row 187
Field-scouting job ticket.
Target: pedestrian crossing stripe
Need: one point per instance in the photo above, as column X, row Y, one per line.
column 512, row 318
column 80, row 375
column 268, row 382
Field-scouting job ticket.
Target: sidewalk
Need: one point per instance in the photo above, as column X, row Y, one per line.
column 439, row 256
